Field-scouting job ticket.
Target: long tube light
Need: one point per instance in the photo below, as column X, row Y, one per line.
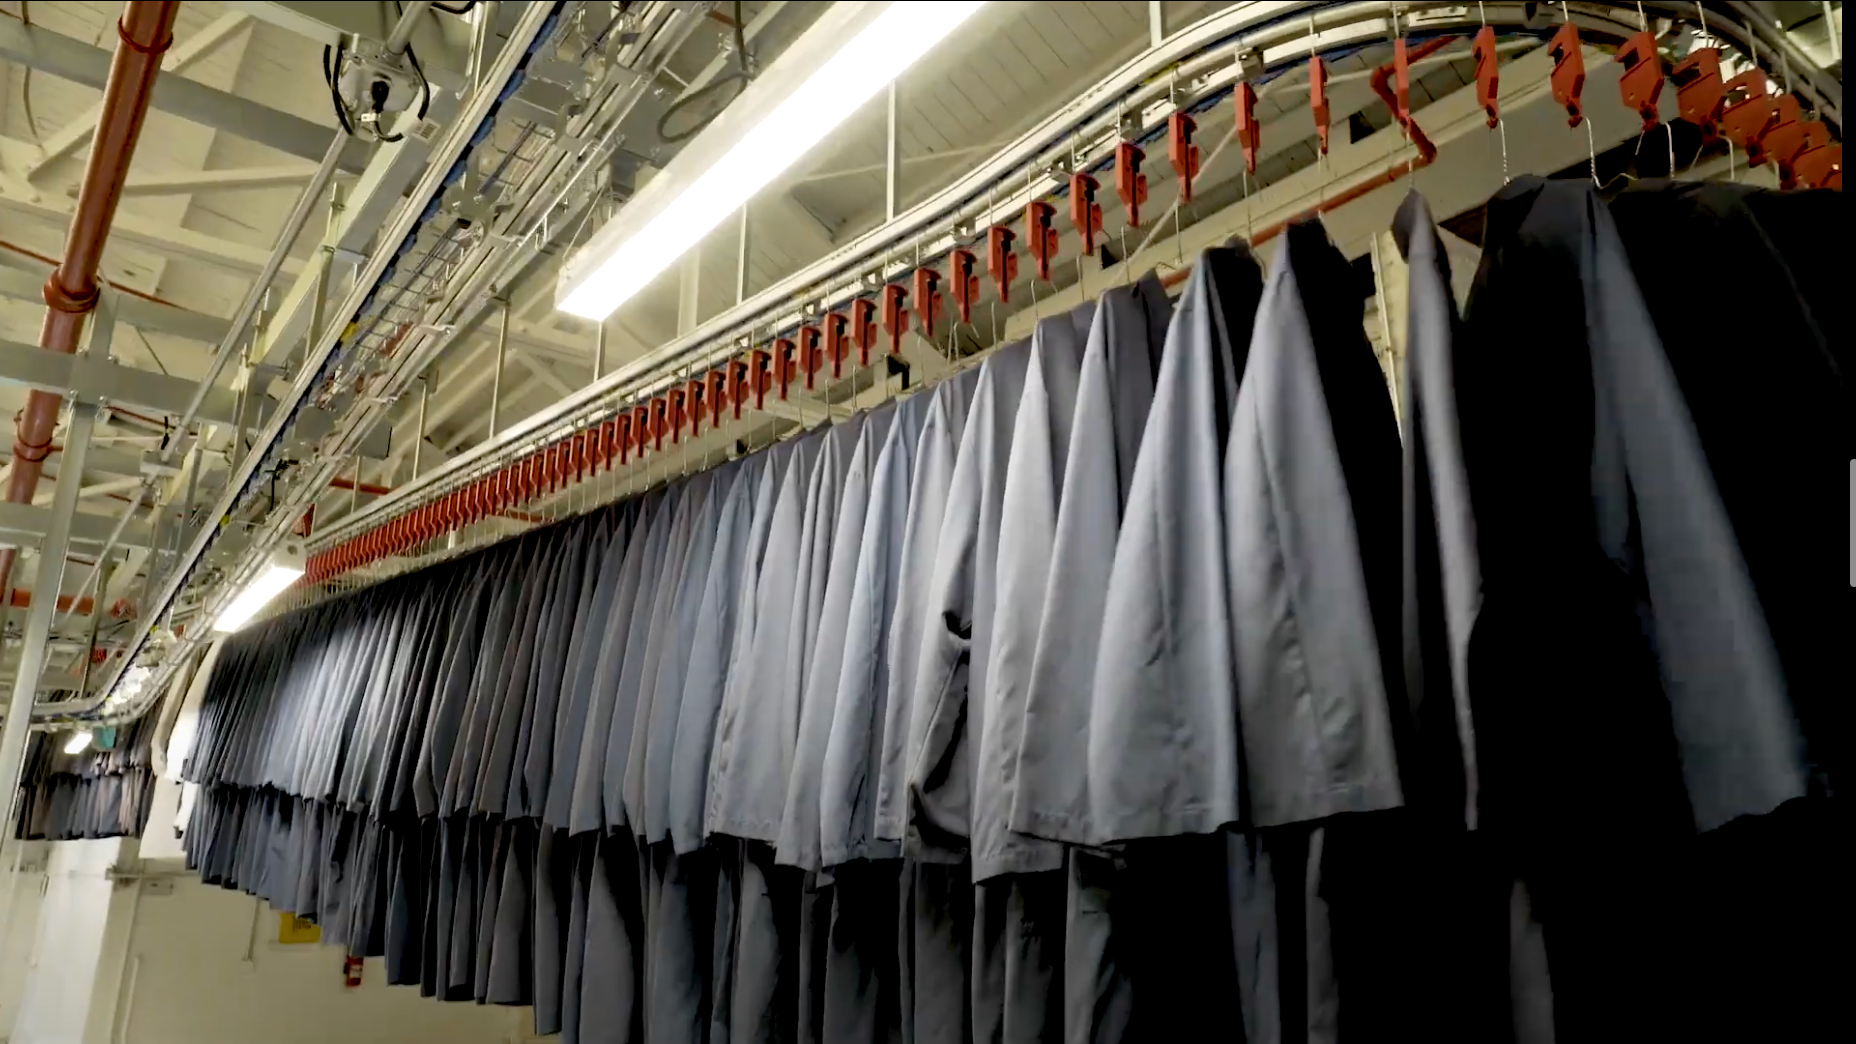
column 851, row 53
column 78, row 743
column 279, row 573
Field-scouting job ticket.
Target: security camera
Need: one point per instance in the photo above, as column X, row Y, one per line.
column 371, row 87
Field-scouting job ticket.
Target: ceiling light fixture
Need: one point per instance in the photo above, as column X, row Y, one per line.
column 853, row 51
column 78, row 743
column 280, row 572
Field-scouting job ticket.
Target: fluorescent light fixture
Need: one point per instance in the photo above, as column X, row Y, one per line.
column 279, row 573
column 853, row 51
column 78, row 743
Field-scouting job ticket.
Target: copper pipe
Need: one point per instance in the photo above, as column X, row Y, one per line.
column 144, row 33
column 131, row 291
column 369, row 488
column 84, row 606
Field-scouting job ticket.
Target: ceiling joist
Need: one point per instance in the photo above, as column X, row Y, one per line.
column 76, row 133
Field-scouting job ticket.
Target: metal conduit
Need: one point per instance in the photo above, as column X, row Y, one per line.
column 324, row 349
column 144, row 33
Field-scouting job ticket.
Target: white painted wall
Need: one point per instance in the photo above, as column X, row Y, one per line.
column 69, row 983
column 168, row 960
column 201, row 972
column 20, row 894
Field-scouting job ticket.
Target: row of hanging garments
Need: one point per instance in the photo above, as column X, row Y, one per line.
column 1141, row 682
column 100, row 791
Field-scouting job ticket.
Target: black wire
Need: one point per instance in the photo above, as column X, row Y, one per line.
column 743, row 75
column 425, row 85
column 328, row 77
column 25, row 80
column 617, row 18
column 457, row 10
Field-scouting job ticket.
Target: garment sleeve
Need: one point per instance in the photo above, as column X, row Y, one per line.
column 712, row 652
column 1033, row 479
column 1312, row 697
column 800, row 831
column 936, row 452
column 1162, row 724
column 1114, row 391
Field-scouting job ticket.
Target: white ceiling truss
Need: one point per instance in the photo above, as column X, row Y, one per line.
column 364, row 371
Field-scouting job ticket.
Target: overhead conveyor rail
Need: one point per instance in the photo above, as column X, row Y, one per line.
column 1142, row 103
column 1192, row 70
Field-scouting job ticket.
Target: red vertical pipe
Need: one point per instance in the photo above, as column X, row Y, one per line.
column 143, row 34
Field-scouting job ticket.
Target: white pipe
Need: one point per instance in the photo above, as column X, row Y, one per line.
column 101, row 489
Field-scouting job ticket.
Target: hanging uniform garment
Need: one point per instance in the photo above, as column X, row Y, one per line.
column 680, row 920
column 612, row 937
column 935, row 912
column 1312, row 546
column 753, row 743
column 662, row 646
column 936, row 452
column 1113, row 393
column 587, row 807
column 1313, row 505
column 449, row 696
column 727, row 600
column 1033, row 479
column 946, row 722
column 748, row 771
column 864, row 966
column 585, row 541
column 1114, row 388
column 1474, row 904
column 501, row 961
column 841, row 541
column 1767, row 431
column 1644, row 523
column 724, row 629
column 810, row 606
column 573, row 718
column 1161, row 722
column 1443, row 577
column 847, row 800
column 682, row 625
column 634, row 668
column 850, row 921
column 1162, row 726
column 537, row 861
column 665, row 995
column 957, row 639
column 1021, row 886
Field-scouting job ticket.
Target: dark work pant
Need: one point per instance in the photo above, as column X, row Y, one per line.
column 861, row 973
column 941, row 904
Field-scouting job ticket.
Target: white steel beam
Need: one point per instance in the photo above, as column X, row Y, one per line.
column 544, row 373
column 24, row 524
column 365, row 208
column 100, row 489
column 23, row 279
column 464, row 435
column 157, row 235
column 441, row 41
column 183, row 183
column 75, row 133
column 190, row 146
column 82, row 63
